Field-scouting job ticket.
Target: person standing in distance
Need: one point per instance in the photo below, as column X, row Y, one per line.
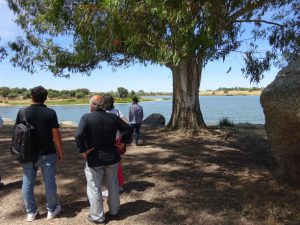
column 95, row 139
column 136, row 115
column 44, row 136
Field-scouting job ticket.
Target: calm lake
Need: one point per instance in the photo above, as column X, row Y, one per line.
column 239, row 109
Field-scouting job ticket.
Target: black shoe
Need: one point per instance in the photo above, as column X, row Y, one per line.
column 95, row 221
column 111, row 217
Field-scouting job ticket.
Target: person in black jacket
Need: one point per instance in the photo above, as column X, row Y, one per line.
column 95, row 139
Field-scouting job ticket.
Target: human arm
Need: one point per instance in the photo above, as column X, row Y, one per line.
column 126, row 131
column 56, row 136
column 81, row 139
column 142, row 113
column 58, row 143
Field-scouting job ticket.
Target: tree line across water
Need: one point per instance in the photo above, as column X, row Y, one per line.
column 83, row 93
column 121, row 95
column 240, row 89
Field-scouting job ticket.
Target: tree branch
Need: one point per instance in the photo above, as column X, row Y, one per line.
column 247, row 8
column 258, row 21
column 242, row 52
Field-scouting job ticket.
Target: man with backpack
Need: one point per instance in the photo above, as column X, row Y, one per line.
column 44, row 133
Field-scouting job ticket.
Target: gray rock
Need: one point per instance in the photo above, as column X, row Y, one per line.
column 155, row 119
column 281, row 104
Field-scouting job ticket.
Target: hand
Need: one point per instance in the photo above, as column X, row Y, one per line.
column 84, row 154
column 120, row 146
column 60, row 158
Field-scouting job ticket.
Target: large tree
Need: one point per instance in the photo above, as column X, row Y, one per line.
column 67, row 36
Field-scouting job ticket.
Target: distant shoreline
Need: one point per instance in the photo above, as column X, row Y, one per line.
column 59, row 102
column 231, row 93
column 11, row 103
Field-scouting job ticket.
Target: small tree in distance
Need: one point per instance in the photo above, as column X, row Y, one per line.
column 122, row 92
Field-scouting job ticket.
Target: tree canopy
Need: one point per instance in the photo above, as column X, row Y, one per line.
column 66, row 36
column 150, row 31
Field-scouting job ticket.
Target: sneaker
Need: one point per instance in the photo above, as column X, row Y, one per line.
column 94, row 221
column 31, row 216
column 105, row 194
column 52, row 215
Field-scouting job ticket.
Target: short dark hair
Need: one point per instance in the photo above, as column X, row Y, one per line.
column 39, row 94
column 135, row 99
column 108, row 102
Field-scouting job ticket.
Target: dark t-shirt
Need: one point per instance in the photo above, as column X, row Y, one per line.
column 98, row 130
column 43, row 120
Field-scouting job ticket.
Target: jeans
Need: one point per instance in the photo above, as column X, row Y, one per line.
column 136, row 127
column 94, row 177
column 48, row 167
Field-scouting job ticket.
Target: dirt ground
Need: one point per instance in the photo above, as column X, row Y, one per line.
column 220, row 177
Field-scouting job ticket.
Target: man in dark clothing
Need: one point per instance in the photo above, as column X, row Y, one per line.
column 95, row 138
column 45, row 134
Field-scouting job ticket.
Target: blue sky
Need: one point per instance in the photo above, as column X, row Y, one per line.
column 150, row 78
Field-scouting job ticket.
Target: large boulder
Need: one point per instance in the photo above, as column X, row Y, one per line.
column 155, row 119
column 281, row 103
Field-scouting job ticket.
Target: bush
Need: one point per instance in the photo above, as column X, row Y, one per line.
column 225, row 122
column 123, row 92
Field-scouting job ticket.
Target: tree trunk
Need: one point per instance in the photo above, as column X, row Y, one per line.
column 186, row 113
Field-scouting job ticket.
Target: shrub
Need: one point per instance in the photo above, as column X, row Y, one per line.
column 225, row 122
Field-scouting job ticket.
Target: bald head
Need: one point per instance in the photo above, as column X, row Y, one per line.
column 96, row 102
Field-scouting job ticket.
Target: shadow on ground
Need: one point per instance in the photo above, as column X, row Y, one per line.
column 172, row 178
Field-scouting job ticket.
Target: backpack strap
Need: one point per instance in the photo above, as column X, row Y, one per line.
column 23, row 115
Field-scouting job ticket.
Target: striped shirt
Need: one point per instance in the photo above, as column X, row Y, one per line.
column 136, row 114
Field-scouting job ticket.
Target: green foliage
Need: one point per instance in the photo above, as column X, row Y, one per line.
column 4, row 91
column 122, row 32
column 12, row 95
column 225, row 122
column 27, row 94
column 141, row 92
column 132, row 94
column 53, row 93
column 122, row 92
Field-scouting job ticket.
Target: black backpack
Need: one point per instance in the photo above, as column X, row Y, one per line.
column 21, row 141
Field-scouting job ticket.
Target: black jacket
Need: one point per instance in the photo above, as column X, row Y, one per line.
column 98, row 130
